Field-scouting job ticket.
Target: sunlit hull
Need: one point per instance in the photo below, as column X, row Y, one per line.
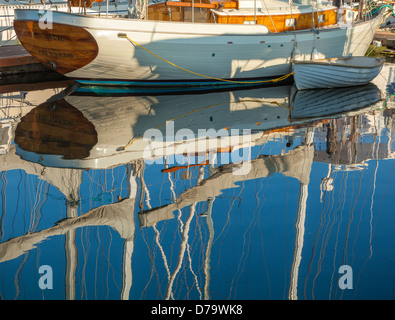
column 138, row 52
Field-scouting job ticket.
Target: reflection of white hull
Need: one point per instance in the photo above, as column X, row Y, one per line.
column 119, row 120
column 346, row 72
column 241, row 52
column 122, row 122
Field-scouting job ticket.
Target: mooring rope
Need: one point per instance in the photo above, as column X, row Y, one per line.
column 202, row 75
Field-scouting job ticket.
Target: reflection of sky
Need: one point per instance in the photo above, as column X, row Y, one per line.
column 254, row 236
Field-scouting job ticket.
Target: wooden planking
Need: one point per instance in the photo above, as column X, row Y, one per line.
column 62, row 48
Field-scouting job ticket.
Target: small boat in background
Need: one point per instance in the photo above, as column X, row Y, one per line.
column 336, row 72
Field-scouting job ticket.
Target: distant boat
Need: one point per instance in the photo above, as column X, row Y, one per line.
column 234, row 44
column 336, row 72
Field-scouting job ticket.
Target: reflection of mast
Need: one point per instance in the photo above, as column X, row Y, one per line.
column 210, row 226
column 128, row 245
column 71, row 252
column 292, row 165
column 70, row 181
column 119, row 216
column 300, row 225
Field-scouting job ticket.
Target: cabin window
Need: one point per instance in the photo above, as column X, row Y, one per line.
column 321, row 18
column 290, row 22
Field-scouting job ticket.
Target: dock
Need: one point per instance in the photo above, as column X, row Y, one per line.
column 15, row 60
column 387, row 38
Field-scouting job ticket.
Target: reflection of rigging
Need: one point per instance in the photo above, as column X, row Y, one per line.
column 121, row 215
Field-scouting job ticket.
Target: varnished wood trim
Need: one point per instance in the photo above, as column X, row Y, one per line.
column 277, row 23
column 63, row 48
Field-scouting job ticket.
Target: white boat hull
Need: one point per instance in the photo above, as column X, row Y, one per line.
column 320, row 76
column 202, row 53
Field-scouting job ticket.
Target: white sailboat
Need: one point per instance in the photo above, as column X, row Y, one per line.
column 166, row 49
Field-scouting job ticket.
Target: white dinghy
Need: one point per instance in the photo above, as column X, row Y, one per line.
column 336, row 72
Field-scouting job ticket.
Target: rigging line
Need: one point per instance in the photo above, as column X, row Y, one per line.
column 193, row 273
column 267, row 10
column 337, row 239
column 384, row 194
column 228, row 215
column 349, row 223
column 3, row 203
column 162, row 253
column 85, row 250
column 185, row 236
column 179, row 213
column 294, row 24
column 371, row 151
column 154, row 272
column 371, row 202
column 343, row 203
column 151, row 259
column 97, row 261
column 18, row 273
column 315, row 243
column 207, row 256
column 281, row 78
column 227, row 223
column 352, row 214
column 244, row 255
column 325, row 239
column 261, row 232
column 252, row 226
column 144, row 290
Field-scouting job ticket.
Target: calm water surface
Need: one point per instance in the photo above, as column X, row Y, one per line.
column 247, row 194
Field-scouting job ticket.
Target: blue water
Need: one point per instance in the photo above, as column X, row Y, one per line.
column 317, row 195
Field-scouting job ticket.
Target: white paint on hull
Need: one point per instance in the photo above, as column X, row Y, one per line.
column 214, row 50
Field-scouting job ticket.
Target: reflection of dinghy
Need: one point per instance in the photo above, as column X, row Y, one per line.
column 325, row 102
column 336, row 72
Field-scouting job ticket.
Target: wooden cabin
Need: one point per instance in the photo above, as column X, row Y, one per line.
column 278, row 17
